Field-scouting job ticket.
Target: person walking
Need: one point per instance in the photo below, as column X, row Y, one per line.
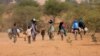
column 62, row 30
column 43, row 33
column 82, row 25
column 51, row 30
column 28, row 32
column 15, row 32
column 34, row 29
column 75, row 29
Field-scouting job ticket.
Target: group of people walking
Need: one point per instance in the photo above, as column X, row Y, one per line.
column 32, row 30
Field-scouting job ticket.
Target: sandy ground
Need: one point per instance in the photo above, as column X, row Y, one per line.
column 48, row 47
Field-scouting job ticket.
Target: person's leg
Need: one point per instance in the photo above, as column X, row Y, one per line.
column 58, row 32
column 42, row 37
column 10, row 35
column 29, row 39
column 80, row 33
column 84, row 32
column 18, row 35
column 62, row 35
column 34, row 38
column 42, row 34
column 75, row 33
column 65, row 33
column 24, row 38
column 51, row 35
column 15, row 38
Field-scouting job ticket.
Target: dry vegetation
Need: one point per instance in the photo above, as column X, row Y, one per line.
column 23, row 11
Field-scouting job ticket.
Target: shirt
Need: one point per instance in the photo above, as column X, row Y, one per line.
column 28, row 32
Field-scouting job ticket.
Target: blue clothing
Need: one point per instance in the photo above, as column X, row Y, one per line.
column 75, row 24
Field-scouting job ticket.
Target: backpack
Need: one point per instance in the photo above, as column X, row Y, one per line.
column 81, row 24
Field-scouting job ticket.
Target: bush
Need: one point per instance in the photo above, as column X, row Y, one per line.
column 93, row 24
column 25, row 12
column 2, row 7
column 54, row 7
column 28, row 3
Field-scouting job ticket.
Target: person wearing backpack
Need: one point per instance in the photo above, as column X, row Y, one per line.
column 75, row 28
column 82, row 25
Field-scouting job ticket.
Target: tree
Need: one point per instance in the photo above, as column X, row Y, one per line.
column 26, row 11
column 54, row 7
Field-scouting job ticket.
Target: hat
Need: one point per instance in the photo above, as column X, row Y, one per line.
column 34, row 19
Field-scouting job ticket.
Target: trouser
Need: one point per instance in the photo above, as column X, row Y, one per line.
column 10, row 35
column 42, row 37
column 42, row 34
column 76, row 31
column 33, row 36
column 51, row 36
column 65, row 33
column 14, row 38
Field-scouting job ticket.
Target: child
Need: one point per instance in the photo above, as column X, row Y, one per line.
column 43, row 33
column 28, row 32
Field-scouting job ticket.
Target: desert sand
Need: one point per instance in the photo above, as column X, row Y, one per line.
column 47, row 47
